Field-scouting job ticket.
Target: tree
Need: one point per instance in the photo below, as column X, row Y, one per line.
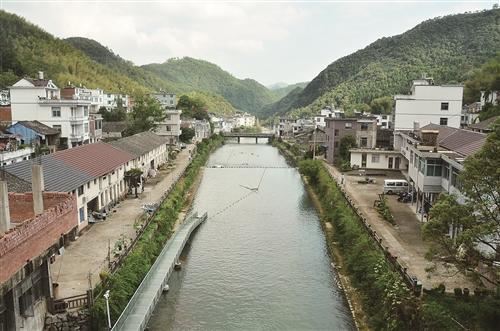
column 187, row 135
column 192, row 107
column 475, row 222
column 145, row 116
column 382, row 105
column 486, row 79
column 114, row 115
column 346, row 143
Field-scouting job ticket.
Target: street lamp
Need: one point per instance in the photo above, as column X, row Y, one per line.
column 106, row 296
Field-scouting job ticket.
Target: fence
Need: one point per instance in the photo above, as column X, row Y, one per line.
column 412, row 282
column 139, row 309
column 57, row 306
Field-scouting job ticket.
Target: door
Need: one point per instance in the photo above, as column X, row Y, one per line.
column 363, row 160
column 396, row 164
column 391, row 161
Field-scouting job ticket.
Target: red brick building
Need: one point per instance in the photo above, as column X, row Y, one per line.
column 25, row 252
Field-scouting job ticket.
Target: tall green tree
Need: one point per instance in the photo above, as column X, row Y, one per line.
column 146, row 114
column 382, row 105
column 475, row 221
column 346, row 143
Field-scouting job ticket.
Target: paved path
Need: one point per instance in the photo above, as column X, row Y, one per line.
column 89, row 253
column 404, row 240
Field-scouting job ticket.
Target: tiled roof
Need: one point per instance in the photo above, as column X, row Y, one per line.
column 139, row 144
column 38, row 82
column 39, row 127
column 462, row 141
column 484, row 124
column 16, row 184
column 57, row 176
column 65, row 171
column 94, row 159
column 113, row 126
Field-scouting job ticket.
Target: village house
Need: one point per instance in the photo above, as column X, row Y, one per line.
column 484, row 126
column 428, row 103
column 35, row 133
column 113, row 130
column 327, row 112
column 364, row 131
column 40, row 99
column 12, row 150
column 170, row 127
column 34, row 226
column 149, row 151
column 201, row 128
column 93, row 173
column 435, row 154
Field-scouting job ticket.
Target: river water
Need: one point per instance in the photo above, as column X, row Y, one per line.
column 260, row 262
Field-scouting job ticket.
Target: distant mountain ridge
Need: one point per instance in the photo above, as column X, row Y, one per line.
column 244, row 94
column 446, row 48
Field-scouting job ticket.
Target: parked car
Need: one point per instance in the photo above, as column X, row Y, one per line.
column 395, row 186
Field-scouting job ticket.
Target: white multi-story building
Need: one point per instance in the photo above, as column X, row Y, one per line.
column 327, row 113
column 245, row 120
column 170, row 127
column 112, row 100
column 383, row 121
column 435, row 156
column 40, row 100
column 97, row 100
column 428, row 103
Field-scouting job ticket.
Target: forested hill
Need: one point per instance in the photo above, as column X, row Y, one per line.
column 445, row 48
column 26, row 49
column 244, row 94
column 105, row 56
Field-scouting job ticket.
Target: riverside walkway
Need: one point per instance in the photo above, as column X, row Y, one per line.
column 136, row 314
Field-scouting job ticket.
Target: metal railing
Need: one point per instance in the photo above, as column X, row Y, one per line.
column 149, row 281
column 57, row 306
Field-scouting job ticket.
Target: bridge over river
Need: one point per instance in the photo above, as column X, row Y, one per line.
column 240, row 135
column 142, row 304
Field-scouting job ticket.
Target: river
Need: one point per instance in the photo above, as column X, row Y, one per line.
column 260, row 261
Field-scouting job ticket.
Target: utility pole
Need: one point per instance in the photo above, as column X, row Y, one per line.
column 314, row 144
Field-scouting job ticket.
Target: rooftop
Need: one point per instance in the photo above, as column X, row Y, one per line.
column 139, row 144
column 114, row 126
column 484, row 125
column 463, row 142
column 38, row 127
column 65, row 171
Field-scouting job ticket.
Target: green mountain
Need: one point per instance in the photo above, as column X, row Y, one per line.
column 26, row 49
column 445, row 48
column 280, row 92
column 243, row 94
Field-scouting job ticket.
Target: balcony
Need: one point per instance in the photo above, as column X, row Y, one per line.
column 77, row 119
column 58, row 102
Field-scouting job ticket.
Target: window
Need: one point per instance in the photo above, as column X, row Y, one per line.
column 433, row 167
column 336, row 144
column 86, row 127
column 95, row 181
column 88, row 185
column 363, row 142
column 56, row 111
column 443, row 121
column 85, row 111
column 445, row 105
column 336, row 132
column 421, row 166
column 454, row 178
column 80, row 190
column 318, row 119
column 168, row 128
column 384, row 117
column 82, row 214
column 364, row 126
column 348, row 125
column 446, row 172
column 375, row 158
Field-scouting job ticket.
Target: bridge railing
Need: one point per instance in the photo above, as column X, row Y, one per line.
column 192, row 221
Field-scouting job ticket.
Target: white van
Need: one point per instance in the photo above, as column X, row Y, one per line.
column 392, row 186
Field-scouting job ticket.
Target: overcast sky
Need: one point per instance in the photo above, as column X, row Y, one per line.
column 270, row 41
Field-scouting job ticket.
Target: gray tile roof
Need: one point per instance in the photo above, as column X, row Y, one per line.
column 139, row 144
column 484, row 125
column 57, row 175
column 16, row 184
column 39, row 127
column 461, row 141
column 114, row 126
